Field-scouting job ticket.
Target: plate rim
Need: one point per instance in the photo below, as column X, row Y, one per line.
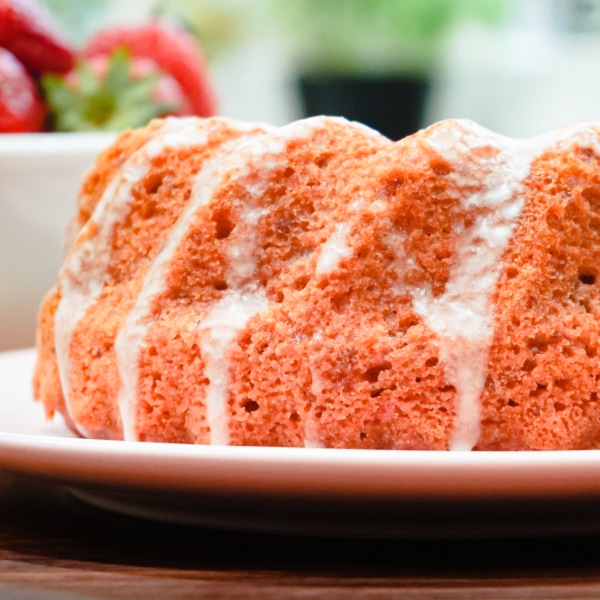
column 306, row 491
column 411, row 473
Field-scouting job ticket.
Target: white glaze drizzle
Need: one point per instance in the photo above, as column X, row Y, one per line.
column 317, row 385
column 130, row 338
column 222, row 324
column 258, row 153
column 82, row 277
column 333, row 250
column 462, row 316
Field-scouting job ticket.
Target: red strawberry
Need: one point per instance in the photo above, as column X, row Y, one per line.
column 172, row 48
column 21, row 109
column 111, row 93
column 32, row 35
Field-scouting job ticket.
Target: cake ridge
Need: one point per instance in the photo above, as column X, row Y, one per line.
column 463, row 315
column 513, row 162
column 130, row 337
column 236, row 156
column 111, row 208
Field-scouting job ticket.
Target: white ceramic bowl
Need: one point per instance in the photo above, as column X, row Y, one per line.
column 40, row 175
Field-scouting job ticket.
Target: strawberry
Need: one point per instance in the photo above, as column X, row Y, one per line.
column 32, row 35
column 21, row 109
column 111, row 93
column 174, row 49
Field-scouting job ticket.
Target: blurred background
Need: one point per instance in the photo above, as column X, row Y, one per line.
column 519, row 67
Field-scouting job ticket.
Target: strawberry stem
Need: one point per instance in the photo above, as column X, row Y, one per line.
column 109, row 101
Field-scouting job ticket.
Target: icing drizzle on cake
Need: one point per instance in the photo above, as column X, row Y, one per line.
column 83, row 275
column 259, row 152
column 463, row 316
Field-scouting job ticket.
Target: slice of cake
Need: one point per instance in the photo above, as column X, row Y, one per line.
column 319, row 285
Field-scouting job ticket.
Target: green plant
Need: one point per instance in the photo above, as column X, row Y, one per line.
column 376, row 35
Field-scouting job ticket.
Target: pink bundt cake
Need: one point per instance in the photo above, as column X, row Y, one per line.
column 318, row 285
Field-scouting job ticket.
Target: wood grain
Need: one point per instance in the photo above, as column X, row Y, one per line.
column 53, row 546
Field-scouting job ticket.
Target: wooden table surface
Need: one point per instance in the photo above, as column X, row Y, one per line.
column 54, row 546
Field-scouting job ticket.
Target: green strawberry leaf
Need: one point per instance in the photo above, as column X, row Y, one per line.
column 118, row 74
column 109, row 102
column 88, row 82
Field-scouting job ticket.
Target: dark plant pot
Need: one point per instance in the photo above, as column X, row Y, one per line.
column 393, row 105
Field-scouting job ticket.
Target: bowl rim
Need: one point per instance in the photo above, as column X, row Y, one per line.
column 48, row 144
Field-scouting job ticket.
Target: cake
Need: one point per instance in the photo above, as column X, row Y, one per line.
column 318, row 285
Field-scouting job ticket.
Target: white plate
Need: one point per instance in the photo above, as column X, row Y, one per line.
column 305, row 491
